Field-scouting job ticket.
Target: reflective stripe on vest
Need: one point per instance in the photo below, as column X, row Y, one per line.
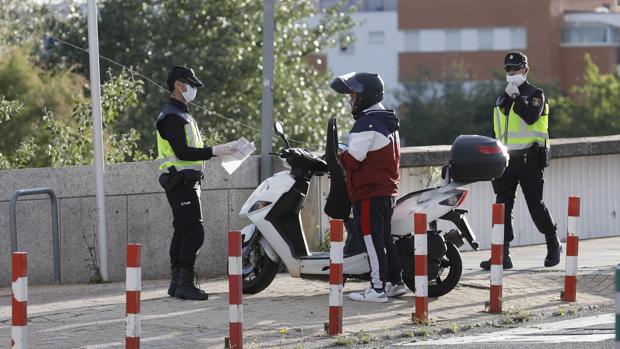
column 516, row 134
column 166, row 155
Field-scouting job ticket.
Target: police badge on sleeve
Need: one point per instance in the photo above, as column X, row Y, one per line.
column 536, row 102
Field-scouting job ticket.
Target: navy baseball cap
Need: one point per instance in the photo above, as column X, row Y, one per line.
column 179, row 72
column 515, row 59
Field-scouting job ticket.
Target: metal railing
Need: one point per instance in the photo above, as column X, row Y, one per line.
column 55, row 233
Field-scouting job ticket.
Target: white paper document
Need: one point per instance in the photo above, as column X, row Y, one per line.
column 232, row 162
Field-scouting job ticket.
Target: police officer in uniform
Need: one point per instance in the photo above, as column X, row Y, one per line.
column 520, row 122
column 181, row 153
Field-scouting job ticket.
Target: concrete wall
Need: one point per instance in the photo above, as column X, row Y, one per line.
column 137, row 210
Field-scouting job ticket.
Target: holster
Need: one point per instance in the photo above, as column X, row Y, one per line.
column 174, row 179
column 539, row 154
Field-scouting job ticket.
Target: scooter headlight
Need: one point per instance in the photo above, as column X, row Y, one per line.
column 259, row 204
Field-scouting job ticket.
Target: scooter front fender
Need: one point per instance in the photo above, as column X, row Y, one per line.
column 248, row 233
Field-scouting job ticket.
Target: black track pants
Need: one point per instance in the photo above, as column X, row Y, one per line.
column 373, row 218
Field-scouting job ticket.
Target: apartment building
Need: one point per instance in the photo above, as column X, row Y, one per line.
column 401, row 39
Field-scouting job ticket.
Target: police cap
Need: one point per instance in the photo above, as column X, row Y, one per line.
column 178, row 72
column 516, row 59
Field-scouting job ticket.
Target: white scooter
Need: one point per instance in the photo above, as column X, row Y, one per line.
column 276, row 233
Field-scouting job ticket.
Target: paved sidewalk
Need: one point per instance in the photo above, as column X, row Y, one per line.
column 291, row 312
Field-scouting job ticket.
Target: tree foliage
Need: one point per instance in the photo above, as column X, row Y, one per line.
column 436, row 111
column 591, row 109
column 26, row 93
column 222, row 41
column 68, row 141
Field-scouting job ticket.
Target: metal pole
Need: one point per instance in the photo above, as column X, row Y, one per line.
column 267, row 103
column 95, row 94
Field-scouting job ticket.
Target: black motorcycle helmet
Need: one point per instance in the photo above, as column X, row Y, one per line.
column 367, row 87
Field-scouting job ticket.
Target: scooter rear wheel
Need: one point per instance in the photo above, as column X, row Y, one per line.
column 259, row 270
column 452, row 263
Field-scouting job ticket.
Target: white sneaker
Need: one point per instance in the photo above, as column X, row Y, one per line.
column 369, row 295
column 396, row 290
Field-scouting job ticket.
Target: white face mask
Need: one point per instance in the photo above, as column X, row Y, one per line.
column 190, row 93
column 517, row 79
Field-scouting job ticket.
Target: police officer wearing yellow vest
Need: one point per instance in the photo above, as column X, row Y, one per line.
column 181, row 153
column 520, row 122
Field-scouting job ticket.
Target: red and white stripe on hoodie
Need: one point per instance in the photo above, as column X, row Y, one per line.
column 372, row 159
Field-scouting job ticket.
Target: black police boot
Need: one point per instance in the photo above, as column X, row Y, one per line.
column 486, row 265
column 554, row 249
column 174, row 281
column 187, row 289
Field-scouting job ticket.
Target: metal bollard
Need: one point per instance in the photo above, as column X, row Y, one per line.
column 19, row 286
column 572, row 247
column 421, row 266
column 235, row 289
column 497, row 259
column 336, row 253
column 133, row 286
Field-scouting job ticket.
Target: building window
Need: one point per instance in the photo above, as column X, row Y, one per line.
column 361, row 5
column 518, row 38
column 590, row 34
column 412, row 41
column 453, row 40
column 485, row 39
column 465, row 39
column 376, row 37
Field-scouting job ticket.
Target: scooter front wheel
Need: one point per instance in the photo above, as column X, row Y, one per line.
column 258, row 269
column 449, row 275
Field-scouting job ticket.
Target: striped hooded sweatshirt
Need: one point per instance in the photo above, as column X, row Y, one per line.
column 372, row 160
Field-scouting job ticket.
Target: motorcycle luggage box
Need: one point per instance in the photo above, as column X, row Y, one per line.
column 477, row 158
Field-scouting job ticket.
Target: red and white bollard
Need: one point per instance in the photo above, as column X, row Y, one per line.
column 19, row 286
column 421, row 266
column 133, row 287
column 572, row 247
column 235, row 289
column 336, row 256
column 497, row 259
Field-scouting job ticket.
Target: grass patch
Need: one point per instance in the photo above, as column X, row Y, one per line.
column 453, row 327
column 363, row 337
column 344, row 341
column 515, row 316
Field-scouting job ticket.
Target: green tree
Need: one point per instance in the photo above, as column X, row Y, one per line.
column 222, row 41
column 68, row 141
column 32, row 92
column 590, row 109
column 437, row 110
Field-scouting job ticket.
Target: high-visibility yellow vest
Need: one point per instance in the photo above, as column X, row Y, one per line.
column 516, row 134
column 165, row 154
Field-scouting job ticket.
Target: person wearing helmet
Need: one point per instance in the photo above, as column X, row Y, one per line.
column 520, row 122
column 181, row 154
column 371, row 163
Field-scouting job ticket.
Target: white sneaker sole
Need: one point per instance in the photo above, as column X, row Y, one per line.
column 397, row 294
column 369, row 300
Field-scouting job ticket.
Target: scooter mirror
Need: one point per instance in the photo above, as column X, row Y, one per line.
column 279, row 129
column 277, row 126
